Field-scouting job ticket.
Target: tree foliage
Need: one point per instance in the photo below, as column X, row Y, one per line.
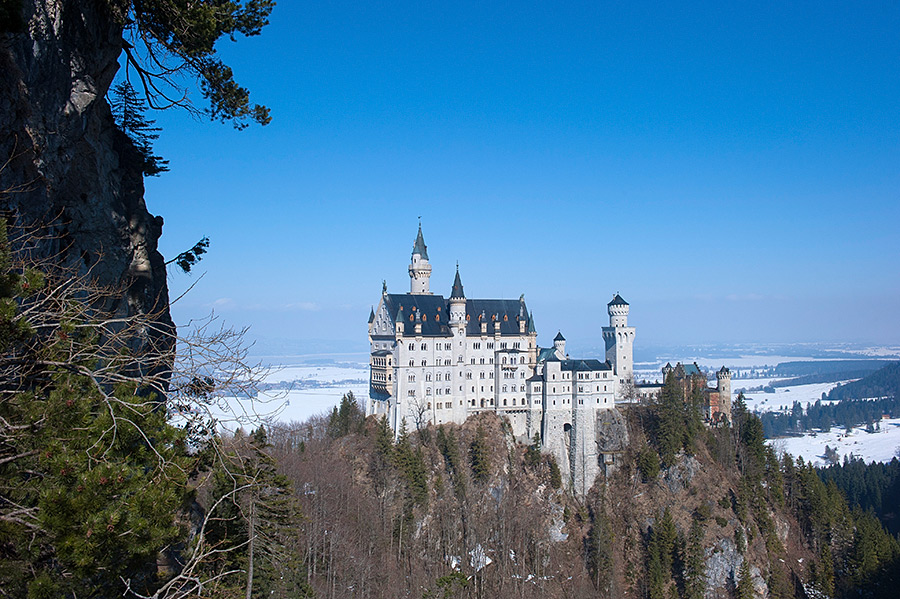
column 128, row 110
column 168, row 40
column 102, row 431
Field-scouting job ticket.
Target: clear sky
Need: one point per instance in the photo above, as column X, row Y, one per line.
column 732, row 169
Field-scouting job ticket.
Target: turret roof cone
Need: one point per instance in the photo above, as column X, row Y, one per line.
column 559, row 337
column 457, row 290
column 420, row 247
column 617, row 301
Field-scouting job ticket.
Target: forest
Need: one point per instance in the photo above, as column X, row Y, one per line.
column 110, row 491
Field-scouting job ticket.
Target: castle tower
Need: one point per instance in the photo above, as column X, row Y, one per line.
column 559, row 344
column 457, row 302
column 619, row 338
column 723, row 385
column 419, row 267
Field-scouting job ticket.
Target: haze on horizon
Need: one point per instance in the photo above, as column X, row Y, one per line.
column 731, row 171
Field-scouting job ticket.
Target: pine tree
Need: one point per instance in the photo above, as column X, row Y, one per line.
column 695, row 568
column 744, row 581
column 128, row 110
column 480, row 455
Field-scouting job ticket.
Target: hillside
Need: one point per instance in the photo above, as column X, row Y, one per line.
column 464, row 511
column 884, row 382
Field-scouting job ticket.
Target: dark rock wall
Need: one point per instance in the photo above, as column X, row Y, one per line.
column 69, row 172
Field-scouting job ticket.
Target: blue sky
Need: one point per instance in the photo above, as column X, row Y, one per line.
column 732, row 171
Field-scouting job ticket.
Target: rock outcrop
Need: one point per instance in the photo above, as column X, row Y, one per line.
column 68, row 173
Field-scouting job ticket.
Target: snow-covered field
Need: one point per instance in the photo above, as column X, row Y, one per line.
column 319, row 387
column 784, row 397
column 322, row 374
column 880, row 446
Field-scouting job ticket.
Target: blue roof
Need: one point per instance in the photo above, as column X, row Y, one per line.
column 419, row 247
column 617, row 301
column 579, row 365
column 559, row 337
column 457, row 290
column 434, row 312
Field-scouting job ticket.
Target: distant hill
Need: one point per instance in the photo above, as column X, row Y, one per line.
column 827, row 367
column 881, row 383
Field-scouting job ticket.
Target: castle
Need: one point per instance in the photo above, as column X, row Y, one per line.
column 438, row 360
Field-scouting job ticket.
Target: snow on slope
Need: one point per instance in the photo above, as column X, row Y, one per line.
column 880, row 446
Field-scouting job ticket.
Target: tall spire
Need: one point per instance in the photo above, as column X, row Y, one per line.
column 419, row 247
column 457, row 290
column 419, row 268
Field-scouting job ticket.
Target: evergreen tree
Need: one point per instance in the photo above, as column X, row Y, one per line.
column 128, row 110
column 91, row 474
column 744, row 581
column 480, row 456
column 695, row 568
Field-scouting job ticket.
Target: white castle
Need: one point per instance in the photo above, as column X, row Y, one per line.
column 438, row 360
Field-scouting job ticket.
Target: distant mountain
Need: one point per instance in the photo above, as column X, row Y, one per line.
column 881, row 383
column 814, row 367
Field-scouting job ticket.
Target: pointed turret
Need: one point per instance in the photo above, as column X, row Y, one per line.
column 457, row 302
column 457, row 291
column 371, row 315
column 419, row 246
column 419, row 268
column 531, row 329
column 559, row 344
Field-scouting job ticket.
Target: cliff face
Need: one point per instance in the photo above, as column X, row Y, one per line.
column 67, row 173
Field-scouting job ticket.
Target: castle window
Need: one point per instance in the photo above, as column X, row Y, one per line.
column 412, row 347
column 482, row 360
column 412, row 362
column 514, row 401
column 504, row 389
column 424, row 362
column 490, row 346
column 504, row 402
column 447, row 362
column 522, row 388
column 412, row 378
column 516, row 345
column 504, row 360
column 424, row 346
column 481, row 375
column 491, row 360
column 512, row 360
column 468, row 376
column 473, row 361
column 447, row 392
column 429, row 405
column 428, row 391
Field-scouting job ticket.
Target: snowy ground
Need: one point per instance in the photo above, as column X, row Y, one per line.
column 880, row 446
column 784, row 397
column 317, row 388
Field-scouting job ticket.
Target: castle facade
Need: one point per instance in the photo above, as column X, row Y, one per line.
column 438, row 360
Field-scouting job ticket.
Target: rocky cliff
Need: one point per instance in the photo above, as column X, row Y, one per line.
column 69, row 174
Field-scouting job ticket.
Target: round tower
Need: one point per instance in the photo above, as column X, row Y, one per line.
column 419, row 267
column 457, row 301
column 559, row 343
column 619, row 338
column 618, row 312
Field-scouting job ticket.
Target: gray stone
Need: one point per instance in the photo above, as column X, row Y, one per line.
column 71, row 176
